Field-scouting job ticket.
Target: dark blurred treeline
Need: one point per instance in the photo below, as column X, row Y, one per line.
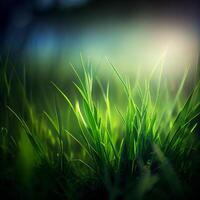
column 76, row 8
column 42, row 25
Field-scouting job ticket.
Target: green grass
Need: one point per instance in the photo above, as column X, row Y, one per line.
column 142, row 145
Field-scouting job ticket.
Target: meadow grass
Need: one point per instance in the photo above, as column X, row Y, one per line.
column 144, row 147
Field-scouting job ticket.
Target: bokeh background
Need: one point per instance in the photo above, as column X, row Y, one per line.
column 52, row 33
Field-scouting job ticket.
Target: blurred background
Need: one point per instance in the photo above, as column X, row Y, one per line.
column 51, row 33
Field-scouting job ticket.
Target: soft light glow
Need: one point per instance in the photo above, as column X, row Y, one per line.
column 127, row 45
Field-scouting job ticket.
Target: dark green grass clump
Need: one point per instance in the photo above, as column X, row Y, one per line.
column 142, row 145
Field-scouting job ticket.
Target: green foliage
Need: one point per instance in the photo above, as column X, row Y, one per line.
column 140, row 147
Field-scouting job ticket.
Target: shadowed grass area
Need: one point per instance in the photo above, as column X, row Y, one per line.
column 140, row 143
